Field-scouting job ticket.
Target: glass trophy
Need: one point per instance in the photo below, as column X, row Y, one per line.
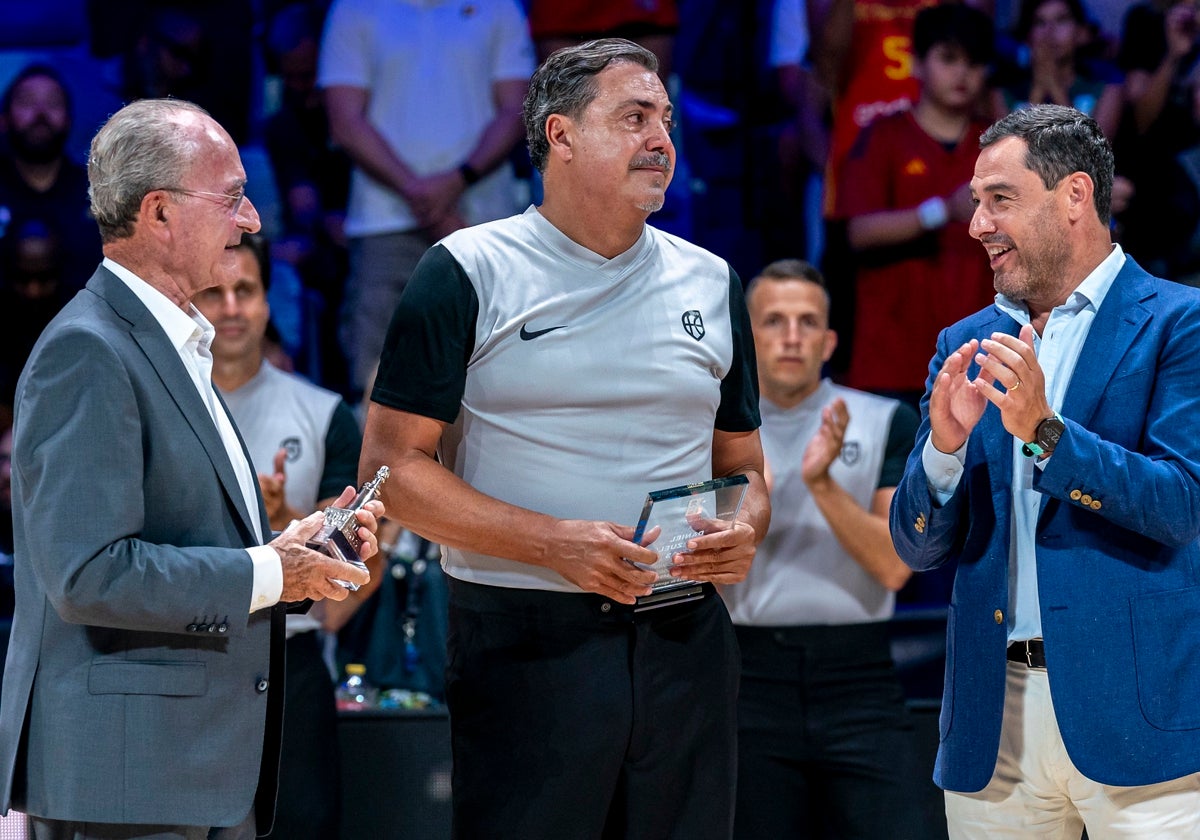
column 683, row 513
column 338, row 537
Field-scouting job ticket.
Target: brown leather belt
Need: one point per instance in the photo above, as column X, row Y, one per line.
column 1031, row 652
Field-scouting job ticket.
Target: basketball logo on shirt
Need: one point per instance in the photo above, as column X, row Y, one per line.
column 850, row 452
column 693, row 323
column 292, row 446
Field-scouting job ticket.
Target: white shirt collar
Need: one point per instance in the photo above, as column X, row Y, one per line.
column 181, row 327
column 1092, row 290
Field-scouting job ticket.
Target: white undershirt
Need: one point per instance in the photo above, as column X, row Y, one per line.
column 191, row 334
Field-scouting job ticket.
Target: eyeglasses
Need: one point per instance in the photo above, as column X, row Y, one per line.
column 233, row 201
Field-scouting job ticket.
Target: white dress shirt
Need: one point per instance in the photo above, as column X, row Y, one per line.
column 191, row 335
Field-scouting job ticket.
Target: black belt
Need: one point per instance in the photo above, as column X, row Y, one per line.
column 1031, row 652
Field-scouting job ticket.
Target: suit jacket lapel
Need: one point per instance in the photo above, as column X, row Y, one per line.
column 165, row 361
column 1116, row 326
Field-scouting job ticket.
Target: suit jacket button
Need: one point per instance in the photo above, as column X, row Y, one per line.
column 1095, row 504
column 999, row 616
column 261, row 685
column 1075, row 494
column 1085, row 500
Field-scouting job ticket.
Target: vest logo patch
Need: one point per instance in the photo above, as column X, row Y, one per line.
column 916, row 166
column 851, row 451
column 693, row 323
column 292, row 447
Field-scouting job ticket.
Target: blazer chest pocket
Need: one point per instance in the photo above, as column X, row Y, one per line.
column 174, row 679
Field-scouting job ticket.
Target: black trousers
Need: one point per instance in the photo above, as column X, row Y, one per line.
column 309, row 803
column 572, row 718
column 825, row 744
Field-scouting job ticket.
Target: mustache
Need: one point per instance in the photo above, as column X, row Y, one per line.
column 657, row 159
column 1003, row 241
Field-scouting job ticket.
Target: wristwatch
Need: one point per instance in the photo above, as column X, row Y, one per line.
column 1045, row 438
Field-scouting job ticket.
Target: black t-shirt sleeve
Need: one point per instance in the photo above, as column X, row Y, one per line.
column 901, row 437
column 343, row 443
column 738, row 411
column 423, row 368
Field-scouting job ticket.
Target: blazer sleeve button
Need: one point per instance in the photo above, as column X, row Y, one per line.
column 261, row 685
column 1095, row 504
column 1075, row 494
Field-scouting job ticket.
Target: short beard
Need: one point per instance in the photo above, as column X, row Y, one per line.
column 652, row 205
column 38, row 152
column 1043, row 266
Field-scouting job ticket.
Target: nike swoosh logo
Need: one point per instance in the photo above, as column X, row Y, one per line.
column 530, row 335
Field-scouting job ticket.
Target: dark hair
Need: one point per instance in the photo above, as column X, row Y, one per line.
column 791, row 269
column 31, row 71
column 1059, row 141
column 566, row 84
column 1029, row 9
column 957, row 25
column 260, row 247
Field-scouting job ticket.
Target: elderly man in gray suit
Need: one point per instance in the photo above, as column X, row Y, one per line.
column 143, row 691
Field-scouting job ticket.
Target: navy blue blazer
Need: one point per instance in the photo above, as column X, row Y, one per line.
column 1118, row 557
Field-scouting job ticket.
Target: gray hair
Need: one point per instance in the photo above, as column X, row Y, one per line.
column 566, row 84
column 1059, row 141
column 141, row 148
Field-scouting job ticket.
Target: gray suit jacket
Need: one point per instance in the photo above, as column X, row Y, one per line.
column 139, row 688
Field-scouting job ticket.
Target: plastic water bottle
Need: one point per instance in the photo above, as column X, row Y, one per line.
column 355, row 693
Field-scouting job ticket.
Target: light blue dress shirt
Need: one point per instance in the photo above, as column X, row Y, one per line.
column 1057, row 350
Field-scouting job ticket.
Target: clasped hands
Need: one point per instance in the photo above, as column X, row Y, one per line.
column 600, row 557
column 1009, row 378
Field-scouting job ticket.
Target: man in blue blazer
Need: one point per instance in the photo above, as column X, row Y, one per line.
column 143, row 692
column 1058, row 464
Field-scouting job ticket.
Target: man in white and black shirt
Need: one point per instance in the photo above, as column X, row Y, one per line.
column 562, row 364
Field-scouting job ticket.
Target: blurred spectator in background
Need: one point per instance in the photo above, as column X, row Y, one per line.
column 905, row 195
column 1159, row 142
column 1055, row 35
column 304, row 444
column 862, row 54
column 313, row 178
column 426, row 99
column 37, row 179
column 33, row 291
column 199, row 51
column 803, row 143
column 561, row 23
